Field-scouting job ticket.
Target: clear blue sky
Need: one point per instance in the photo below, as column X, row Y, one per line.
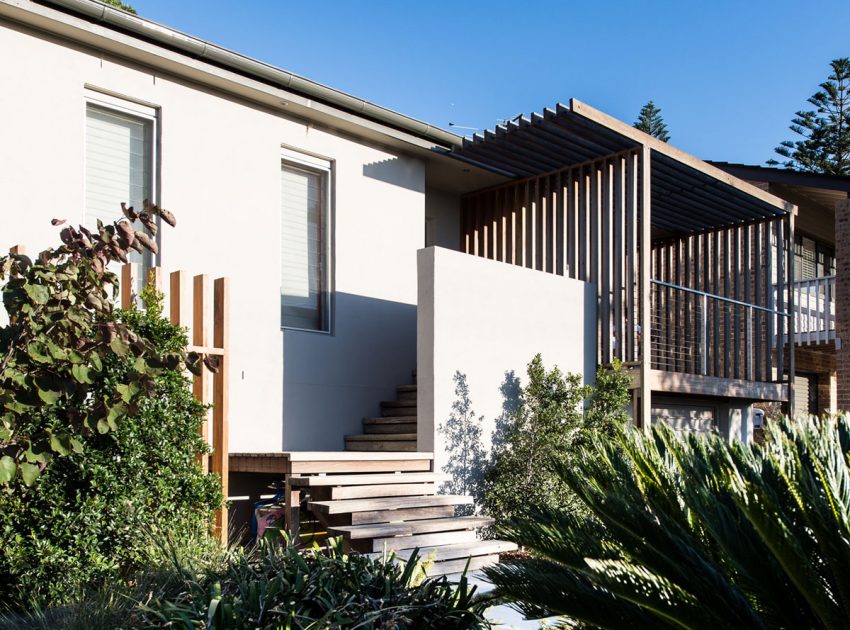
column 728, row 75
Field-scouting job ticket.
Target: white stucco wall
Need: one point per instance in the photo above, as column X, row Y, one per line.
column 486, row 319
column 220, row 174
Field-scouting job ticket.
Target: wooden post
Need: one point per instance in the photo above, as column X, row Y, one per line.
column 201, row 340
column 179, row 308
column 129, row 278
column 792, row 335
column 221, row 334
column 292, row 515
column 644, row 273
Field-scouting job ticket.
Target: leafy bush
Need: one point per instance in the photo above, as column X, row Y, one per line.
column 695, row 533
column 61, row 330
column 544, row 432
column 276, row 586
column 87, row 518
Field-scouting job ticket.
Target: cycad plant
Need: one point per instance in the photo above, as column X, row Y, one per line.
column 694, row 532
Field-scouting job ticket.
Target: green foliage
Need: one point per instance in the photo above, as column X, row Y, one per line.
column 825, row 146
column 467, row 459
column 695, row 533
column 275, row 586
column 650, row 121
column 535, row 438
column 87, row 518
column 120, row 5
column 62, row 331
column 608, row 408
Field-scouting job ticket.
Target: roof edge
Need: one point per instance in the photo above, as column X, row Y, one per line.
column 169, row 38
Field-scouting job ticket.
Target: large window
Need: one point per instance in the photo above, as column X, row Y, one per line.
column 119, row 165
column 305, row 276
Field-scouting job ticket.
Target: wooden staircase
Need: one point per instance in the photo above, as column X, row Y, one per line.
column 394, row 430
column 390, row 505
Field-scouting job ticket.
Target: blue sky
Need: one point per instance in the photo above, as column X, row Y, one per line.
column 727, row 75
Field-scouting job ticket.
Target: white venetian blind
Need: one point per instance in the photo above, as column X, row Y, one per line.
column 118, row 165
column 303, row 233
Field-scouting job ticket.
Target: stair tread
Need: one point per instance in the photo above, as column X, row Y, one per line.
column 368, row 479
column 449, row 567
column 381, row 437
column 430, row 525
column 391, row 420
column 344, row 506
column 457, row 550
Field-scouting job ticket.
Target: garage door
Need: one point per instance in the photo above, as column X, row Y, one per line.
column 686, row 418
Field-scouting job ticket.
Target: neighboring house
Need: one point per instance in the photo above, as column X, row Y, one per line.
column 366, row 249
column 822, row 370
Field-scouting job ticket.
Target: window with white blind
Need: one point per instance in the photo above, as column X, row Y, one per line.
column 119, row 165
column 304, row 291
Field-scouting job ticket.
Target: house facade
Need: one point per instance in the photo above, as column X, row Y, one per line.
column 373, row 257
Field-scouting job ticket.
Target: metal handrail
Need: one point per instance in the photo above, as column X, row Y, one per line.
column 720, row 297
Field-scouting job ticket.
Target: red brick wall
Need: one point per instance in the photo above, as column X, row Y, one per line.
column 842, row 301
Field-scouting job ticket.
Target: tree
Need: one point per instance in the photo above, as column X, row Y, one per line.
column 650, row 121
column 120, row 5
column 694, row 532
column 825, row 131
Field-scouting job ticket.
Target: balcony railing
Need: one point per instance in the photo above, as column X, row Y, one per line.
column 695, row 332
column 814, row 310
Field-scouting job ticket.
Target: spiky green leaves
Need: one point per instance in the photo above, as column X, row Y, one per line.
column 695, row 533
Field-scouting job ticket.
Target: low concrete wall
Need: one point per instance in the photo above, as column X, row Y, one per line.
column 487, row 320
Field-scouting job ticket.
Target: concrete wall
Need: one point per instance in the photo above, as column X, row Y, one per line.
column 487, row 320
column 442, row 216
column 220, row 174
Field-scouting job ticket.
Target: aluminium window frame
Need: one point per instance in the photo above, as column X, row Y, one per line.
column 308, row 161
column 110, row 101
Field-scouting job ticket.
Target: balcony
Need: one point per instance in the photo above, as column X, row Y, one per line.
column 814, row 310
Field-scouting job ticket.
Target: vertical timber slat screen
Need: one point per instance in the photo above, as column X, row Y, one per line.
column 581, row 222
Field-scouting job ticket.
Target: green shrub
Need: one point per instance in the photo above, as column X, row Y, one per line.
column 545, row 431
column 87, row 518
column 276, row 586
column 695, row 533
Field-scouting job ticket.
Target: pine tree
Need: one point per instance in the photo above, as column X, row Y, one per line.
column 825, row 147
column 650, row 121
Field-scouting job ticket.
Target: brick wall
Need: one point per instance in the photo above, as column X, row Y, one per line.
column 820, row 360
column 842, row 301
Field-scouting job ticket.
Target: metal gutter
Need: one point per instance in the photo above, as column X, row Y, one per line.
column 165, row 36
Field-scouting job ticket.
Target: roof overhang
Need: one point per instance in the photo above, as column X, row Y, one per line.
column 688, row 194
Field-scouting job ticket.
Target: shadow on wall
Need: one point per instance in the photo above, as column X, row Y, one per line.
column 404, row 173
column 467, row 459
column 332, row 381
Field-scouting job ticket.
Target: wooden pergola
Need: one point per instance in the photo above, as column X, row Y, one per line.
column 675, row 246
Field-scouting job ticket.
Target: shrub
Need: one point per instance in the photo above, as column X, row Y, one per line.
column 86, row 519
column 546, row 429
column 276, row 586
column 695, row 533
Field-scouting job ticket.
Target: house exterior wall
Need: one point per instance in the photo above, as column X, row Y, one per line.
column 486, row 320
column 842, row 303
column 219, row 171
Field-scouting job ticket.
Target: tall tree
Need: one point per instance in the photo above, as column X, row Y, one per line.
column 825, row 146
column 650, row 121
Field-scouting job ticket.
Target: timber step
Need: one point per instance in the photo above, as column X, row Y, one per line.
column 426, row 526
column 386, row 503
column 399, row 437
column 368, row 479
column 380, row 511
column 456, row 551
column 377, row 442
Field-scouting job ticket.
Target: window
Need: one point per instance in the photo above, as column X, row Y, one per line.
column 812, row 259
column 119, row 166
column 305, row 242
